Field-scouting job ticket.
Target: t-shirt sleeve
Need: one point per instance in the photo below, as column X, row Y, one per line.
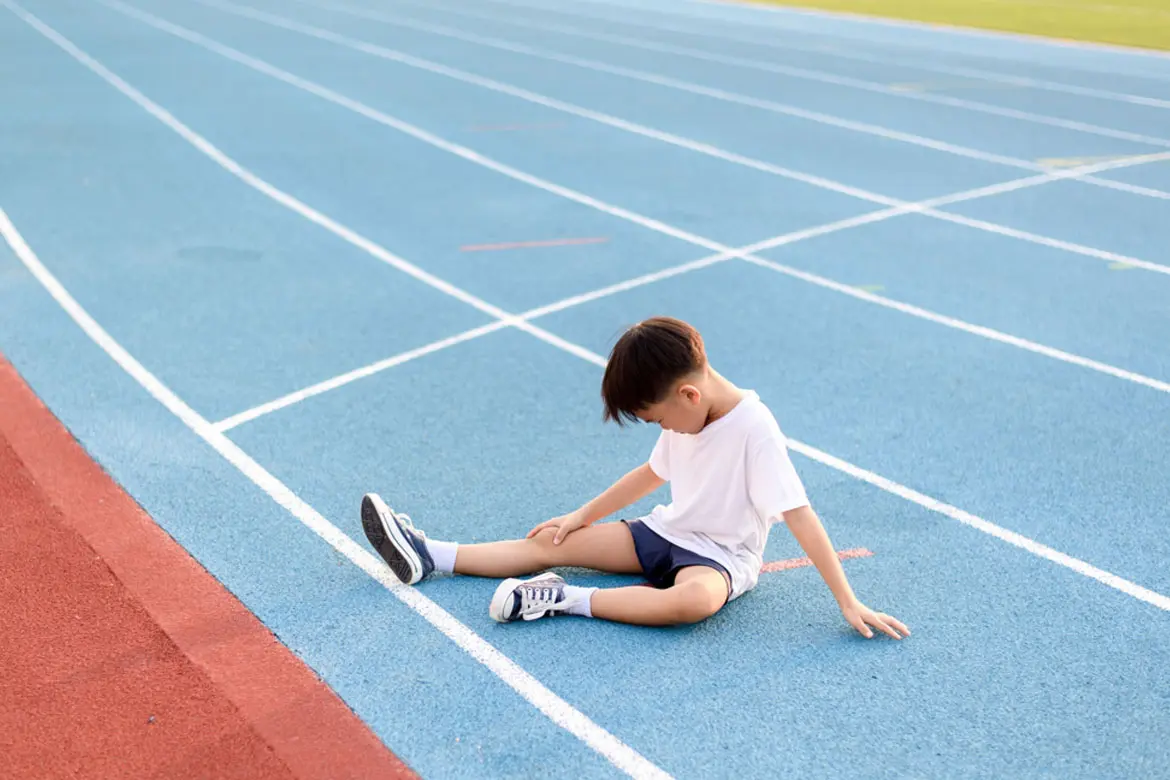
column 660, row 457
column 773, row 484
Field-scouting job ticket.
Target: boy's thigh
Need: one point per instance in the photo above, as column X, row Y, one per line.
column 607, row 547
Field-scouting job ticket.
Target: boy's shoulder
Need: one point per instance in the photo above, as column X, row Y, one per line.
column 759, row 419
column 753, row 420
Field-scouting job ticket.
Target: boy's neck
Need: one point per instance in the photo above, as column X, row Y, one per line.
column 722, row 396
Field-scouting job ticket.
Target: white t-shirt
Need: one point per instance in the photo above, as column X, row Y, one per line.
column 728, row 484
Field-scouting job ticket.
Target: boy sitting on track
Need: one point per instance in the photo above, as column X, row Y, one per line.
column 727, row 462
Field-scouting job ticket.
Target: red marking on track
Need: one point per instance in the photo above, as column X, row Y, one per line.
column 122, row 656
column 531, row 244
column 509, row 128
column 796, row 563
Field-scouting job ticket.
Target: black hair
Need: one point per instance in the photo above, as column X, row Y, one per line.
column 646, row 362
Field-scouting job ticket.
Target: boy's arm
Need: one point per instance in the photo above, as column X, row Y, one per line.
column 635, row 485
column 806, row 527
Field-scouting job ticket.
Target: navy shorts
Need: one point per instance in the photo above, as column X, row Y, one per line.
column 661, row 559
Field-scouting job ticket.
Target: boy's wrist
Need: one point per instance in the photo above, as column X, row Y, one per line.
column 847, row 600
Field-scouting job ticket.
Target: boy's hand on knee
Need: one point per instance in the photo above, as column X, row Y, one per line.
column 565, row 525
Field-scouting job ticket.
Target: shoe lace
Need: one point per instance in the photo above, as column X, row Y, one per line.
column 535, row 598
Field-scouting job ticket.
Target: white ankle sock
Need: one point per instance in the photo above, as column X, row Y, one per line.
column 584, row 597
column 443, row 554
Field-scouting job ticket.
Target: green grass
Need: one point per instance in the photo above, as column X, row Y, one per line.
column 1141, row 23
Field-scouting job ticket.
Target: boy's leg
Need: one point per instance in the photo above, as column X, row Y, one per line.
column 697, row 594
column 413, row 557
column 607, row 547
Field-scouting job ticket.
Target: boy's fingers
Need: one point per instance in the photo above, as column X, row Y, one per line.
column 540, row 528
column 881, row 624
column 564, row 530
column 861, row 627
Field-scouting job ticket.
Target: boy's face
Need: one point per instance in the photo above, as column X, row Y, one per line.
column 683, row 410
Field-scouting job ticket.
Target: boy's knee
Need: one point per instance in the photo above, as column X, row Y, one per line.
column 546, row 550
column 695, row 602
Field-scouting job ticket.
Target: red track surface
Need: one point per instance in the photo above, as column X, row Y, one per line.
column 120, row 656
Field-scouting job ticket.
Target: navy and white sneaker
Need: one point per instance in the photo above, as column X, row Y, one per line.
column 394, row 536
column 529, row 599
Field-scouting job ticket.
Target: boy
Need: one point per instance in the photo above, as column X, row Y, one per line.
column 727, row 462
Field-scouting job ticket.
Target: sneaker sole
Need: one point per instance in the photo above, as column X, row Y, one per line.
column 387, row 538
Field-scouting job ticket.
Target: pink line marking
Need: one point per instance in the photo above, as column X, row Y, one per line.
column 796, row 563
column 531, row 244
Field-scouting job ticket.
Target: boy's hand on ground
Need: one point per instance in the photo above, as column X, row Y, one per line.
column 565, row 525
column 862, row 617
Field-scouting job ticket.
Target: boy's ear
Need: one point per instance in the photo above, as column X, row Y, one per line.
column 690, row 393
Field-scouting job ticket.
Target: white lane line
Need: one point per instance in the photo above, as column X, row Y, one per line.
column 397, row 20
column 471, row 155
column 745, row 253
column 565, row 303
column 552, row 706
column 957, row 324
column 557, row 709
column 939, row 28
column 837, row 51
column 596, row 116
column 352, row 376
column 978, row 523
column 529, row 687
column 726, row 96
column 847, row 81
